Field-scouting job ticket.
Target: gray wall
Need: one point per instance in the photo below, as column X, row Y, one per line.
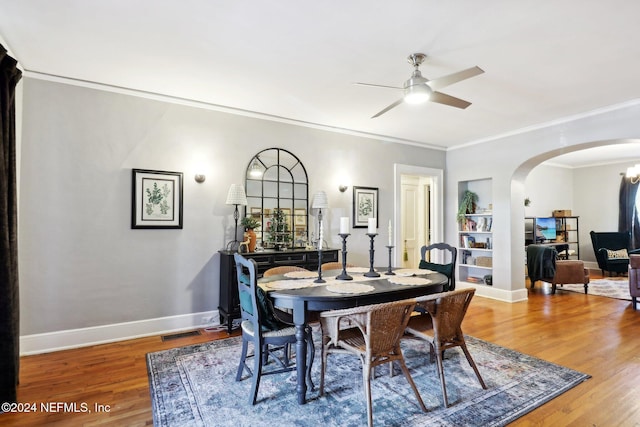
column 82, row 265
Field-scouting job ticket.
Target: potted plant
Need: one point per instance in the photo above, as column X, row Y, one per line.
column 467, row 204
column 249, row 223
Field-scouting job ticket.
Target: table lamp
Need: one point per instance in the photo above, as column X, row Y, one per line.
column 236, row 196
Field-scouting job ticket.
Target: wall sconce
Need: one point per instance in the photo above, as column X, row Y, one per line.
column 200, row 178
column 343, row 188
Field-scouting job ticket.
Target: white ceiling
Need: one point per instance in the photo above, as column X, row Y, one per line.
column 298, row 59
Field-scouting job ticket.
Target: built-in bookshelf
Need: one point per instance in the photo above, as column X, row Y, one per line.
column 475, row 236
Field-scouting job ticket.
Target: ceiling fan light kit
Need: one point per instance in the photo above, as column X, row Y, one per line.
column 418, row 89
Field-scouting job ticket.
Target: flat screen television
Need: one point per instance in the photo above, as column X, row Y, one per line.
column 545, row 229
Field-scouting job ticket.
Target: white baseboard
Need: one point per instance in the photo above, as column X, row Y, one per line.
column 495, row 293
column 73, row 338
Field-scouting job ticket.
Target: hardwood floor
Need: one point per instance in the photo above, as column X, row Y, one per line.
column 594, row 335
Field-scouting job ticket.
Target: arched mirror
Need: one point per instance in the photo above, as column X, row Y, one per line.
column 277, row 197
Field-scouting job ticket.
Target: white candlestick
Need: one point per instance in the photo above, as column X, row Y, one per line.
column 321, row 237
column 390, row 234
column 344, row 225
column 372, row 226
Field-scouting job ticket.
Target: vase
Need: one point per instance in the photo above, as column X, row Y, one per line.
column 252, row 239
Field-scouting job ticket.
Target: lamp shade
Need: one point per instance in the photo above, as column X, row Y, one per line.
column 320, row 200
column 236, row 195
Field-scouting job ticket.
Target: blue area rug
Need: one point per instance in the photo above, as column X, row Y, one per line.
column 195, row 386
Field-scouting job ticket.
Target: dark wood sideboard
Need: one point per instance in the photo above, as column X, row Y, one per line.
column 229, row 307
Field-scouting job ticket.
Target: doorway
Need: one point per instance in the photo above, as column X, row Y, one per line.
column 417, row 212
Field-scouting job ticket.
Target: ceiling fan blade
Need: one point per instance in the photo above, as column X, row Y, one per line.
column 369, row 84
column 442, row 98
column 450, row 79
column 395, row 104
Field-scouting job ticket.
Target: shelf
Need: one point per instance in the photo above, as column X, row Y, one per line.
column 567, row 230
column 475, row 263
column 475, row 266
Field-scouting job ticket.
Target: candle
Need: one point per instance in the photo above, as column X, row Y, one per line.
column 320, row 238
column 390, row 235
column 344, row 225
column 372, row 226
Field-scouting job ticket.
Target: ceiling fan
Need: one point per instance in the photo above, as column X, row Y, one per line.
column 419, row 89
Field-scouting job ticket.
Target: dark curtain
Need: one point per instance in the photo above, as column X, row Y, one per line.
column 9, row 309
column 628, row 217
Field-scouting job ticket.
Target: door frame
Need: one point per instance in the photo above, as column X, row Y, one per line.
column 436, row 202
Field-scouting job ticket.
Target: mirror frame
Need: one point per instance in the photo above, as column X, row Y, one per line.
column 283, row 186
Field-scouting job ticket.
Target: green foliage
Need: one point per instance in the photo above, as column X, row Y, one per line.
column 365, row 207
column 250, row 222
column 157, row 197
column 467, row 204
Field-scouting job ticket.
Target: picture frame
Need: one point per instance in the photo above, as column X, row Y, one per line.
column 300, row 217
column 365, row 206
column 156, row 199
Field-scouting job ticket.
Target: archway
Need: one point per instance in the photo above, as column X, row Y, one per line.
column 593, row 191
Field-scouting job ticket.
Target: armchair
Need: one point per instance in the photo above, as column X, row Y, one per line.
column 542, row 264
column 609, row 248
column 634, row 278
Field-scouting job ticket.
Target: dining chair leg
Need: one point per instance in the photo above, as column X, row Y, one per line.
column 439, row 357
column 323, row 368
column 366, row 379
column 473, row 365
column 243, row 358
column 257, row 371
column 407, row 375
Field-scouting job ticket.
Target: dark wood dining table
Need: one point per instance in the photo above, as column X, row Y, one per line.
column 317, row 298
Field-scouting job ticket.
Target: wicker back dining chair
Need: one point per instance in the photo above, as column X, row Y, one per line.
column 373, row 334
column 274, row 271
column 262, row 327
column 334, row 266
column 440, row 325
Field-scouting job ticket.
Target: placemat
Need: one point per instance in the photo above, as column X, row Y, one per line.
column 349, row 288
column 411, row 281
column 412, row 272
column 288, row 284
column 301, row 274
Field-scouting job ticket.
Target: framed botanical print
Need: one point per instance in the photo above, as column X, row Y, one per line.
column 365, row 206
column 156, row 200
